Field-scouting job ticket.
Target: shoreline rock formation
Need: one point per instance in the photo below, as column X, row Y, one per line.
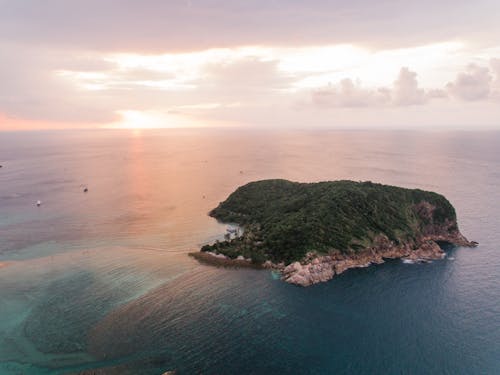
column 316, row 268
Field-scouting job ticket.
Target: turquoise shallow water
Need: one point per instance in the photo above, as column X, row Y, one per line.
column 103, row 280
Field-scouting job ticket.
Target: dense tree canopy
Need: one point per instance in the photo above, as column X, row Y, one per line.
column 284, row 220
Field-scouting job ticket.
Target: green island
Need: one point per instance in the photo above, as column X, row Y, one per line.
column 312, row 231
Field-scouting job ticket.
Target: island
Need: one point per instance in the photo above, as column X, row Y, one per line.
column 310, row 232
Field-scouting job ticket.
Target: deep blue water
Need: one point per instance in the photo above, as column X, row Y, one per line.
column 102, row 279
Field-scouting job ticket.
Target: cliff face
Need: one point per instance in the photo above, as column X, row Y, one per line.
column 312, row 232
column 316, row 268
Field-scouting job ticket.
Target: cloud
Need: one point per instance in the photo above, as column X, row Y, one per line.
column 476, row 83
column 436, row 94
column 31, row 89
column 404, row 92
column 86, row 89
column 349, row 94
column 234, row 85
column 160, row 26
column 243, row 78
column 495, row 67
column 472, row 85
column 247, row 72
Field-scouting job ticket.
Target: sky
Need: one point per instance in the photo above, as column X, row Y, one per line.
column 395, row 64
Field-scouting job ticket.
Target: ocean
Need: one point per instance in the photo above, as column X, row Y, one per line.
column 102, row 281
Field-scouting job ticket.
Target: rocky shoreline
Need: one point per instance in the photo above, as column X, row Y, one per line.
column 317, row 268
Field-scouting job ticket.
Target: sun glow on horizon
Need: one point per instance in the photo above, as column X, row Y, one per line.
column 132, row 119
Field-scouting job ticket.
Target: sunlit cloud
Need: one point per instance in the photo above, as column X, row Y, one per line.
column 317, row 59
column 309, row 66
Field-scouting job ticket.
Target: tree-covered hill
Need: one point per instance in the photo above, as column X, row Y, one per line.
column 284, row 220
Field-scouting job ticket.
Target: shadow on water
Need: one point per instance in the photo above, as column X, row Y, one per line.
column 199, row 313
column 59, row 324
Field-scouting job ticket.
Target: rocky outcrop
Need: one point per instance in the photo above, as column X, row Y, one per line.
column 317, row 268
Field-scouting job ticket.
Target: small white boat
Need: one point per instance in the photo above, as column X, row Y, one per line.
column 38, row 203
